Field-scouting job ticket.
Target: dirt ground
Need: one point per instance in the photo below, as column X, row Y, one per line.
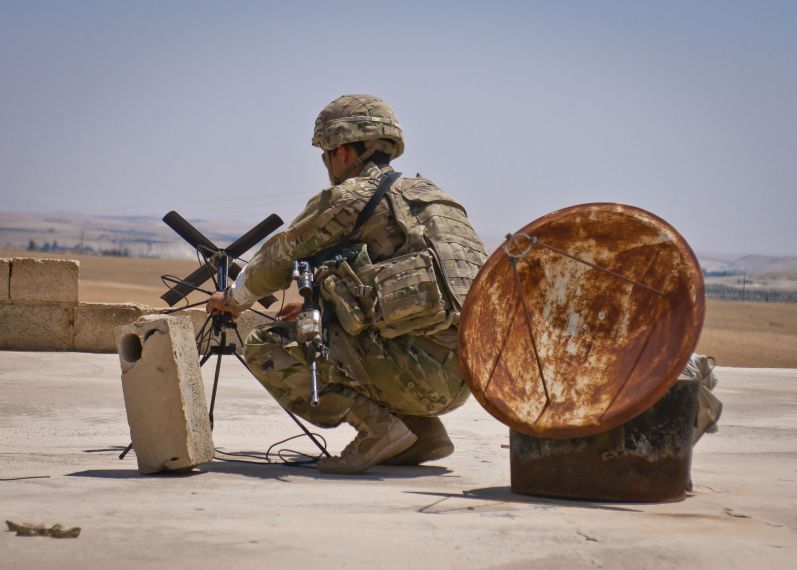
column 62, row 426
column 745, row 334
column 751, row 334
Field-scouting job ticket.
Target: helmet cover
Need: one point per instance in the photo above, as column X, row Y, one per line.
column 359, row 118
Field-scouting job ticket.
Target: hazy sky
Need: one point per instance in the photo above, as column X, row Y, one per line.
column 684, row 108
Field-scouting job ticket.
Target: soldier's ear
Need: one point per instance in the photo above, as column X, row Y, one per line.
column 349, row 154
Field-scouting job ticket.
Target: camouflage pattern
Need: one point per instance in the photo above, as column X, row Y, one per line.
column 326, row 219
column 408, row 375
column 358, row 118
column 415, row 213
column 431, row 218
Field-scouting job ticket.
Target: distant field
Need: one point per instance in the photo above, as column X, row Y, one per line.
column 124, row 279
column 736, row 333
column 751, row 334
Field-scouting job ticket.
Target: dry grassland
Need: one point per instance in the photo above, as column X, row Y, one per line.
column 760, row 335
column 126, row 279
column 745, row 334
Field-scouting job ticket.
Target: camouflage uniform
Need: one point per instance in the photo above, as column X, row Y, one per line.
column 413, row 374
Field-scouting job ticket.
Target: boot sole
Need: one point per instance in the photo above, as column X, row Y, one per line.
column 431, row 451
column 403, row 443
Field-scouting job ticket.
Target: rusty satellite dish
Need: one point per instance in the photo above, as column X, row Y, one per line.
column 582, row 320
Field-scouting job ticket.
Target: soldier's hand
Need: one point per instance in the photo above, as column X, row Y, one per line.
column 289, row 312
column 216, row 304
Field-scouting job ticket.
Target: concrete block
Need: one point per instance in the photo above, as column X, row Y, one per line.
column 36, row 327
column 5, row 280
column 163, row 392
column 44, row 280
column 94, row 324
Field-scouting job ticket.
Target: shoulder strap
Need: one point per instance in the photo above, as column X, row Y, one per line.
column 385, row 183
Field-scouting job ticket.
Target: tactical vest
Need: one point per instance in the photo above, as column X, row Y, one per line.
column 420, row 290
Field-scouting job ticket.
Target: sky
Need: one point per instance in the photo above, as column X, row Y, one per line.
column 687, row 109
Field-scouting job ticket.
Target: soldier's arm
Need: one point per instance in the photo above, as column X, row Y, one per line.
column 327, row 218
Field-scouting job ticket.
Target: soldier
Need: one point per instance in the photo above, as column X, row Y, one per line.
column 392, row 296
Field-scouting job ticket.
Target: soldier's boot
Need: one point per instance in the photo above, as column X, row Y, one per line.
column 433, row 442
column 381, row 435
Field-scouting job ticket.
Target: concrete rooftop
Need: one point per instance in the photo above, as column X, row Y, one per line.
column 62, row 424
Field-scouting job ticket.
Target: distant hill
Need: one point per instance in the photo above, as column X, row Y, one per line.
column 140, row 236
column 134, row 236
column 747, row 263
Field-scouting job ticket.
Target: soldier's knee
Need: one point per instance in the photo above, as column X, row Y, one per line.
column 266, row 359
column 274, row 333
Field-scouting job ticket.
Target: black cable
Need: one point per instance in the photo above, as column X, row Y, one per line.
column 201, row 248
column 262, row 314
column 177, row 281
column 189, row 306
column 282, row 454
column 282, row 305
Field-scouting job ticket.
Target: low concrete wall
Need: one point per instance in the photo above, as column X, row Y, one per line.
column 39, row 310
column 44, row 280
column 5, row 281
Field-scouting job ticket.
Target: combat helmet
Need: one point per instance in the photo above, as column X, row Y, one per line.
column 359, row 118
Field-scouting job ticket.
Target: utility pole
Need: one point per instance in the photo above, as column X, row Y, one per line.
column 744, row 284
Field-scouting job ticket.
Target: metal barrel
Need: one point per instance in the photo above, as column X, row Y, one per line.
column 313, row 382
column 646, row 459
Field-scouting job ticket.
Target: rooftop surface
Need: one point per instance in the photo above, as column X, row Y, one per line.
column 63, row 424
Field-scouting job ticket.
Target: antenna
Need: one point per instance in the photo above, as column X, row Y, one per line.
column 198, row 241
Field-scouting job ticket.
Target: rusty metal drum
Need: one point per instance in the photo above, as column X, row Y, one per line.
column 646, row 459
column 581, row 320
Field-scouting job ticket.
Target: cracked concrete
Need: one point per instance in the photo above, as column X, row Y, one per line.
column 62, row 426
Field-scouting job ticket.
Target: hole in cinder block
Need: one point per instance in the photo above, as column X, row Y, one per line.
column 130, row 348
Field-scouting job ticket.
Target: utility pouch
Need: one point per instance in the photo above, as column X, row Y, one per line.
column 407, row 295
column 344, row 290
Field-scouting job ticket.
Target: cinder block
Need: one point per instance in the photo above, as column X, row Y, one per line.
column 44, row 280
column 94, row 324
column 163, row 392
column 5, row 280
column 36, row 327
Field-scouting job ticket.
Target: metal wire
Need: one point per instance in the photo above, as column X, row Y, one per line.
column 532, row 240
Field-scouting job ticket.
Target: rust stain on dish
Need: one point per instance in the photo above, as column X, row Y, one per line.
column 582, row 320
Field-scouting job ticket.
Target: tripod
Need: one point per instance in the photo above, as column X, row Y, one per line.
column 219, row 266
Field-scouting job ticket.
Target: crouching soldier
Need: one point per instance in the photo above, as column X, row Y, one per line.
column 395, row 258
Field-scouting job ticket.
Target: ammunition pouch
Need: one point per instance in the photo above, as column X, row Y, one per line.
column 348, row 296
column 420, row 291
column 399, row 296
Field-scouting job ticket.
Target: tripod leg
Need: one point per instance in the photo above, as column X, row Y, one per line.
column 239, row 337
column 215, row 388
column 205, row 358
column 201, row 332
column 126, row 451
column 306, row 431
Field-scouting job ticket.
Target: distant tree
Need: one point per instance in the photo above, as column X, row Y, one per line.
column 116, row 252
column 32, row 246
